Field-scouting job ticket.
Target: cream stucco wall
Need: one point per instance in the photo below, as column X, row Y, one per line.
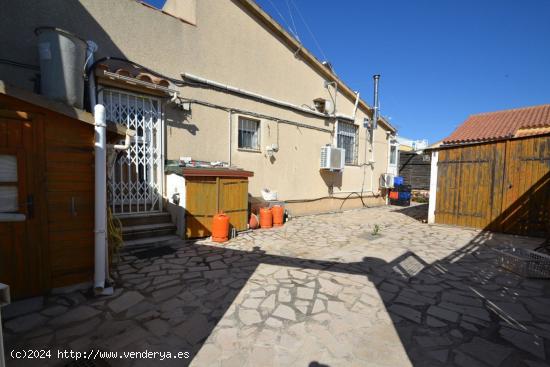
column 226, row 45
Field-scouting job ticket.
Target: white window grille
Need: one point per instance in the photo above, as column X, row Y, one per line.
column 249, row 133
column 9, row 187
column 136, row 176
column 347, row 139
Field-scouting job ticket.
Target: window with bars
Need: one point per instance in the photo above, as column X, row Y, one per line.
column 8, row 184
column 249, row 133
column 347, row 138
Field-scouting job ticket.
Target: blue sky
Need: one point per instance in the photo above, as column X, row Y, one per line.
column 440, row 60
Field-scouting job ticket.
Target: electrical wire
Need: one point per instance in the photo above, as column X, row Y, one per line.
column 20, row 64
column 282, row 18
column 309, row 30
column 292, row 19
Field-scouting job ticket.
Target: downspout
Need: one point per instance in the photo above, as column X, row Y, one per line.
column 374, row 125
column 433, row 187
column 100, row 184
column 100, row 241
column 230, row 115
column 92, row 48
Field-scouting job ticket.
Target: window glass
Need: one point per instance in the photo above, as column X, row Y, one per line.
column 249, row 134
column 8, row 168
column 8, row 199
column 393, row 154
column 347, row 139
column 8, row 175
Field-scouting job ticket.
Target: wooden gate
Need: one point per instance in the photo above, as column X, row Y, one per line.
column 207, row 196
column 501, row 186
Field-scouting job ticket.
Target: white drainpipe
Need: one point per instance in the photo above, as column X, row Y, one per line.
column 100, row 242
column 92, row 48
column 229, row 117
column 433, row 187
column 278, row 102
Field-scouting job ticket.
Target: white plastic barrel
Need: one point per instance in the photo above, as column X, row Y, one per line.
column 62, row 57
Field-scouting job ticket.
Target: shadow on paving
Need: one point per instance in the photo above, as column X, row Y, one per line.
column 461, row 310
column 464, row 310
column 416, row 211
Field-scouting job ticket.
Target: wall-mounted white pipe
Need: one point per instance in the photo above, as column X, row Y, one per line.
column 244, row 92
column 433, row 187
column 127, row 141
column 230, row 123
column 90, row 50
column 355, row 107
column 100, row 241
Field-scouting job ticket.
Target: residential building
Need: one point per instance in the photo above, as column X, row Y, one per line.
column 205, row 81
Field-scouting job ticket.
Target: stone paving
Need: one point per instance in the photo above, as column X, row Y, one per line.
column 321, row 291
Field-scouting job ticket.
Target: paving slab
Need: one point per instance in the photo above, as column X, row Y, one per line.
column 319, row 289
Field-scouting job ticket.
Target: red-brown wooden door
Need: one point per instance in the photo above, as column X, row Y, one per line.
column 21, row 252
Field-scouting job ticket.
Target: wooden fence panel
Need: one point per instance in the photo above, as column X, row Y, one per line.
column 415, row 170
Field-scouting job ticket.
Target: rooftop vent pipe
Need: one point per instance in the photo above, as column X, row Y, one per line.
column 376, row 104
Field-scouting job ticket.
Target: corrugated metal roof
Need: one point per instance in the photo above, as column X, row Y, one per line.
column 500, row 124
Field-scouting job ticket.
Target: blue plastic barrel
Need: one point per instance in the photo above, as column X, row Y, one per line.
column 404, row 195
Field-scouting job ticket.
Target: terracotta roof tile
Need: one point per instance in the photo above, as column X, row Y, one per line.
column 500, row 124
column 133, row 73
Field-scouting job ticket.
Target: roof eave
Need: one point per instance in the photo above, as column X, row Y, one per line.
column 274, row 26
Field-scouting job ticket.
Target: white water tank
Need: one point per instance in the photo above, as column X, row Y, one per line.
column 62, row 57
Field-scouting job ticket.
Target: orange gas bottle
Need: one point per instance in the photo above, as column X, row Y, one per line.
column 220, row 227
column 278, row 215
column 266, row 218
column 253, row 223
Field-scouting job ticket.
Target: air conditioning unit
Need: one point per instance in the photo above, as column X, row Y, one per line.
column 386, row 180
column 333, row 159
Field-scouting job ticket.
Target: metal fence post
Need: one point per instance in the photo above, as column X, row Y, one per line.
column 4, row 300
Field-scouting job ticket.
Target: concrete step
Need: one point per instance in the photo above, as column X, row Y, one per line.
column 131, row 220
column 151, row 241
column 148, row 227
column 164, row 231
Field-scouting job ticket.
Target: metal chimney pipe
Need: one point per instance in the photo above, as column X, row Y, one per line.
column 376, row 106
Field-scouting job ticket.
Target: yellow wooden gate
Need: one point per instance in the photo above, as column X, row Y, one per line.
column 207, row 196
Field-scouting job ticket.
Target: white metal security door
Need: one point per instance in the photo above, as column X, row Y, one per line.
column 136, row 176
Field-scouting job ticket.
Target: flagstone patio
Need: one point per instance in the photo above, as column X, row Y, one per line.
column 321, row 291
